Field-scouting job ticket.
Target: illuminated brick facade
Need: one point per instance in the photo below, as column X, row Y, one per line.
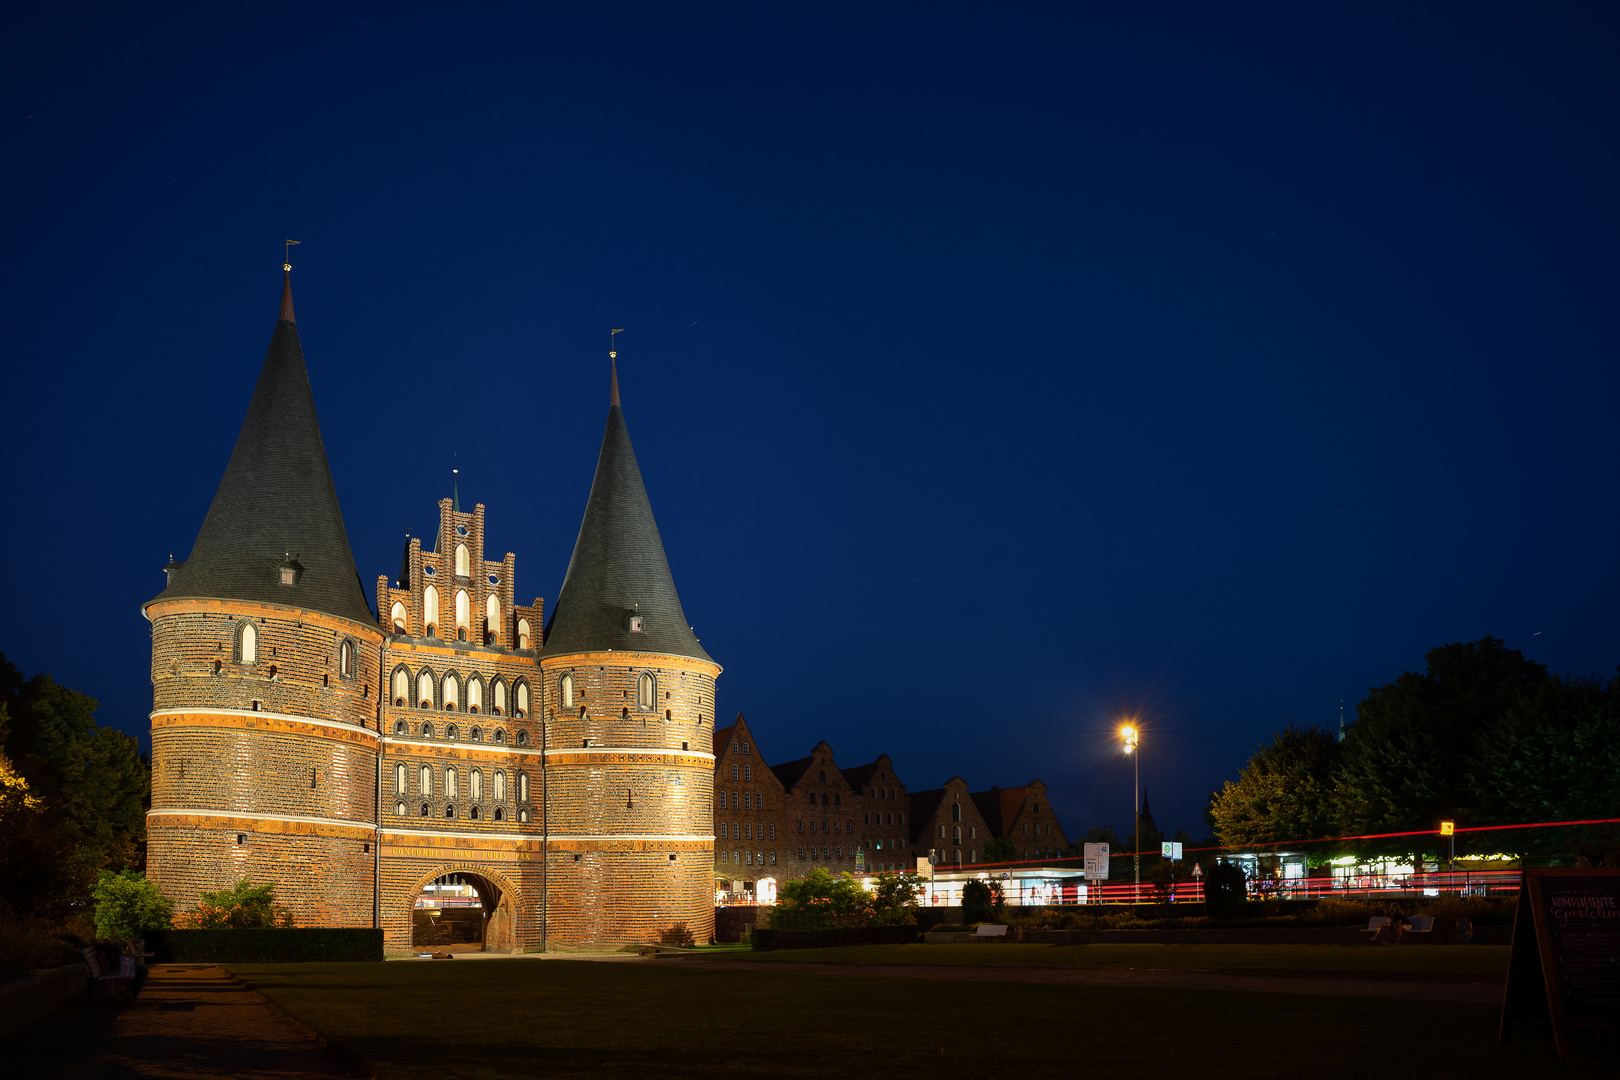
column 353, row 757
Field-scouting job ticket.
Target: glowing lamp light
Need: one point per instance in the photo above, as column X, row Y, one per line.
column 1448, row 828
column 1130, row 735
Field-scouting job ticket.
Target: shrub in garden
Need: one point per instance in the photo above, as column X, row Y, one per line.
column 677, row 935
column 1225, row 889
column 978, row 902
column 128, row 906
column 244, row 906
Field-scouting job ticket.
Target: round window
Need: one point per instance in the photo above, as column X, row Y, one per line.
column 461, row 530
column 494, row 580
column 429, row 571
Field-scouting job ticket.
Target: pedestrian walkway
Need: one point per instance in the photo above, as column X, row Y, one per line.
column 191, row 1022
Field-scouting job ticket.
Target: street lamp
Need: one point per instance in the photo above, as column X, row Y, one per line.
column 1132, row 736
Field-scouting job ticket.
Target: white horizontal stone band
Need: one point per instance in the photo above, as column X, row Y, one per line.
column 206, row 710
column 182, row 812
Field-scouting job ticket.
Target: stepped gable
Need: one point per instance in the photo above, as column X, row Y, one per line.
column 276, row 504
column 619, row 569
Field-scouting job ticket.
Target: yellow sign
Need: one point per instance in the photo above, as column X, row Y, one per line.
column 1447, row 828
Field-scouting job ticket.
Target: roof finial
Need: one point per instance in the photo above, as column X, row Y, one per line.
column 455, row 486
column 613, row 359
column 286, row 284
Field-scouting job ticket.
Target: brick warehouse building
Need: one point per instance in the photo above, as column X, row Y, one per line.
column 781, row 822
column 299, row 738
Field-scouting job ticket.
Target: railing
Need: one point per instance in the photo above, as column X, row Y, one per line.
column 1497, row 883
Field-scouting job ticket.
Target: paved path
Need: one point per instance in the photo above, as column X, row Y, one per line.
column 1346, row 984
column 191, row 1022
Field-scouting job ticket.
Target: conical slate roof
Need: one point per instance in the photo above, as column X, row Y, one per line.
column 276, row 503
column 618, row 569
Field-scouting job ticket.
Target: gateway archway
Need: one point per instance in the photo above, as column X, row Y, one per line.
column 462, row 911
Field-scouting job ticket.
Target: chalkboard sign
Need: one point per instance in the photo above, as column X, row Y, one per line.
column 1565, row 960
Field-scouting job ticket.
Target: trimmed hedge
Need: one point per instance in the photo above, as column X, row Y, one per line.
column 286, row 945
column 762, row 939
column 845, row 935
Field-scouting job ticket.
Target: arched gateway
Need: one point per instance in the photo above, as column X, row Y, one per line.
column 463, row 909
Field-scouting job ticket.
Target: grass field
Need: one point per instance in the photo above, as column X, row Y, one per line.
column 507, row 1017
column 1473, row 960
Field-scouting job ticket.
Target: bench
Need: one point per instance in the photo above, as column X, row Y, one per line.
column 991, row 930
column 105, row 981
column 1375, row 924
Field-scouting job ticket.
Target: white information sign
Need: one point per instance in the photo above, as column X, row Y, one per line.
column 925, row 869
column 1096, row 862
column 1170, row 850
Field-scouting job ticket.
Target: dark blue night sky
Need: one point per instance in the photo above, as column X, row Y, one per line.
column 996, row 372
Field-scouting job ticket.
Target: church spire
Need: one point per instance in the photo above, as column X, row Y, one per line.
column 286, row 298
column 618, row 593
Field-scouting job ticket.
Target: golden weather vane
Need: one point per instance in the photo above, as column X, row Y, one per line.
column 286, row 261
column 613, row 354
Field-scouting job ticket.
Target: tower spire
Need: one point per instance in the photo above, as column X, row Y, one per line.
column 613, row 361
column 286, row 284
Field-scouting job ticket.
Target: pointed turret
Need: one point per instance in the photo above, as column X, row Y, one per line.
column 618, row 593
column 275, row 516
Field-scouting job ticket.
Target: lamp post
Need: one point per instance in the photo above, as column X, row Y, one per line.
column 1132, row 737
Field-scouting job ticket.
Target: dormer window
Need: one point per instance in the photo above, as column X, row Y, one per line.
column 289, row 576
column 635, row 624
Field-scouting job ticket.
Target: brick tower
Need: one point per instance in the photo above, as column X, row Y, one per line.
column 629, row 700
column 264, row 658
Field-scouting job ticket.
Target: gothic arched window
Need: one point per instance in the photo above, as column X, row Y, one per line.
column 424, row 689
column 463, row 563
column 397, row 617
column 452, row 693
column 430, row 610
column 522, row 707
column 492, row 619
column 498, row 697
column 247, row 644
column 646, row 691
column 399, row 778
column 567, row 691
column 523, row 634
column 402, row 686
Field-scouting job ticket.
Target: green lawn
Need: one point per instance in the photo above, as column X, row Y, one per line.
column 1449, row 960
column 499, row 1018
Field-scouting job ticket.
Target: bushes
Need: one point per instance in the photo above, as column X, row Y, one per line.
column 979, row 902
column 677, row 935
column 128, row 906
column 266, row 945
column 241, row 907
column 1225, row 890
column 824, row 901
column 762, row 939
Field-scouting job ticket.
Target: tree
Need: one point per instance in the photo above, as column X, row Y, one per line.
column 243, row 906
column 821, row 900
column 38, row 869
column 127, row 906
column 91, row 778
column 1552, row 756
column 979, row 903
column 894, row 899
column 1284, row 793
column 1403, row 764
column 1225, row 888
